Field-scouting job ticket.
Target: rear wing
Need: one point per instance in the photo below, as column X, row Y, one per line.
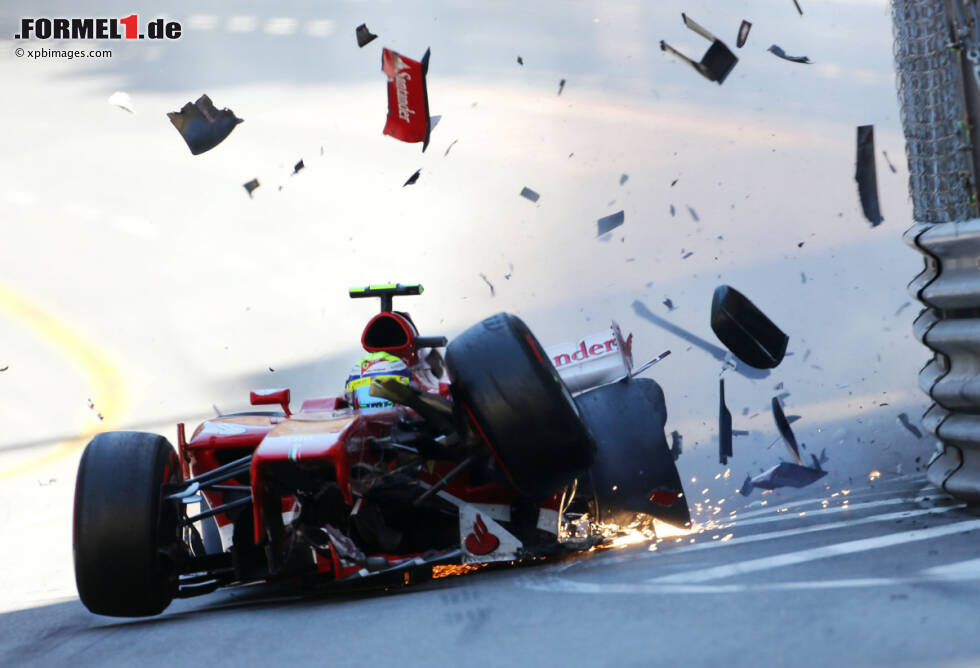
column 597, row 359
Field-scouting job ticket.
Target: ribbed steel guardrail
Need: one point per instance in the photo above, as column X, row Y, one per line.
column 949, row 287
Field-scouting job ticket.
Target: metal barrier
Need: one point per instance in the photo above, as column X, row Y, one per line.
column 937, row 61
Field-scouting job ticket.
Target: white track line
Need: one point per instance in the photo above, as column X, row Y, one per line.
column 959, row 568
column 320, row 28
column 823, row 552
column 281, row 25
column 561, row 585
column 865, row 493
column 755, row 538
column 782, row 517
column 202, row 21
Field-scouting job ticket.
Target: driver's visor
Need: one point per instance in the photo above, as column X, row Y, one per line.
column 359, row 391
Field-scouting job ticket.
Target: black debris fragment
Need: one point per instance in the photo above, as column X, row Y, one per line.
column 787, row 474
column 486, row 280
column 904, row 419
column 694, row 214
column 271, row 370
column 724, row 426
column 798, row 8
column 747, row 486
column 202, row 126
column 364, row 36
column 778, row 387
column 890, row 165
column 800, row 244
column 823, row 457
column 623, row 178
column 413, row 178
column 743, row 33
column 866, row 174
column 740, row 432
column 694, row 340
column 745, row 330
column 527, row 193
column 778, row 51
column 803, row 277
column 610, row 222
column 450, row 148
column 250, row 186
column 674, row 182
column 4, row 368
column 902, row 307
column 717, row 61
column 520, row 61
column 782, row 424
column 510, row 271
column 687, row 255
column 298, row 166
column 673, row 211
column 676, row 444
column 669, row 304
column 561, row 86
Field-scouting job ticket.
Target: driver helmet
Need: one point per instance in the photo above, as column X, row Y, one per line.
column 374, row 366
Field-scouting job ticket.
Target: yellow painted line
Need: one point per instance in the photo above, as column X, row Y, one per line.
column 107, row 385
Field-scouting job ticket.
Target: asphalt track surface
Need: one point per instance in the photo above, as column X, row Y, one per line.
column 798, row 584
column 141, row 286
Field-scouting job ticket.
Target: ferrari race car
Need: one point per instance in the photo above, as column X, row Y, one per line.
column 520, row 453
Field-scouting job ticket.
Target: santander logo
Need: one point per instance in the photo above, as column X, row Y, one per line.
column 401, row 89
column 480, row 541
column 585, row 349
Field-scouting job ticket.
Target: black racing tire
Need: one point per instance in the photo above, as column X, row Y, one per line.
column 506, row 389
column 122, row 527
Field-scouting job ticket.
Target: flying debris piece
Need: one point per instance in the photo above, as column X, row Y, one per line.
column 743, row 33
column 803, row 277
column 610, row 222
column 202, row 126
column 561, row 86
column 786, row 474
column 747, row 486
column 489, row 284
column 364, row 36
column 510, row 271
column 250, row 186
column 408, row 97
column 687, row 255
column 866, row 175
column 798, row 7
column 740, row 432
column 298, row 166
column 890, row 165
column 433, row 122
column 450, row 148
column 676, row 444
column 778, row 51
column 717, row 61
column 413, row 178
column 121, row 100
column 674, row 182
column 673, row 211
column 902, row 307
column 527, row 193
column 745, row 330
column 4, row 368
column 669, row 304
column 520, row 61
column 694, row 214
column 724, row 426
column 904, row 419
column 785, row 430
column 823, row 456
column 623, row 178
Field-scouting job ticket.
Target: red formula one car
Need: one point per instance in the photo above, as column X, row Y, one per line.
column 500, row 463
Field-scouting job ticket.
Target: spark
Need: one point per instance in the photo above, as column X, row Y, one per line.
column 874, row 475
column 727, row 537
column 449, row 570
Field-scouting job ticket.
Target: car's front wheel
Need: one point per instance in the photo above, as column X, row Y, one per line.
column 124, row 531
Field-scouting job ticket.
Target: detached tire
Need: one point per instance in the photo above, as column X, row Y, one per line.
column 122, row 526
column 506, row 388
